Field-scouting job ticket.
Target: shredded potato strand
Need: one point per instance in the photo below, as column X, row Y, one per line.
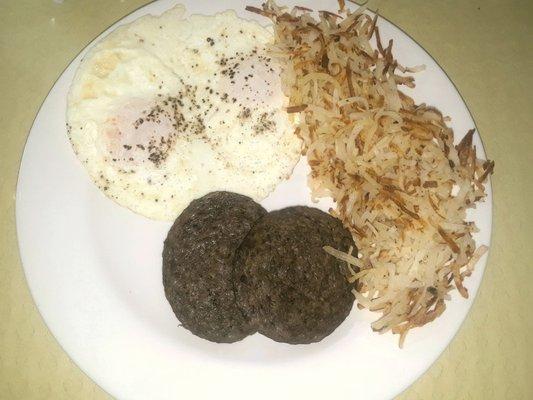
column 399, row 183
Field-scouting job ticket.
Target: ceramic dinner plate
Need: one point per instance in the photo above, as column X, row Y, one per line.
column 94, row 269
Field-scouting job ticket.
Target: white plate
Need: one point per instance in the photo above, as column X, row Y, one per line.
column 94, row 270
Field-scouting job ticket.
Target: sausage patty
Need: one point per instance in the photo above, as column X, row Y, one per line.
column 197, row 265
column 286, row 283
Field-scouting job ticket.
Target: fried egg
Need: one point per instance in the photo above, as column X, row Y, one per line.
column 169, row 108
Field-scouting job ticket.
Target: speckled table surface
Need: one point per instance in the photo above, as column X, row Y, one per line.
column 485, row 47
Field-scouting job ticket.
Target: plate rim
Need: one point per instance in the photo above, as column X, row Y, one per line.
column 98, row 36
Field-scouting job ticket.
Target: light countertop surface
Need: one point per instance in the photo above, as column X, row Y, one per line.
column 486, row 47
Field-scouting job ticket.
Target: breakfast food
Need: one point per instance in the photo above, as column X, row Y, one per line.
column 294, row 291
column 166, row 109
column 230, row 270
column 198, row 263
column 398, row 180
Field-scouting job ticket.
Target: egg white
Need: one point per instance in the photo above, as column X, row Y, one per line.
column 168, row 108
